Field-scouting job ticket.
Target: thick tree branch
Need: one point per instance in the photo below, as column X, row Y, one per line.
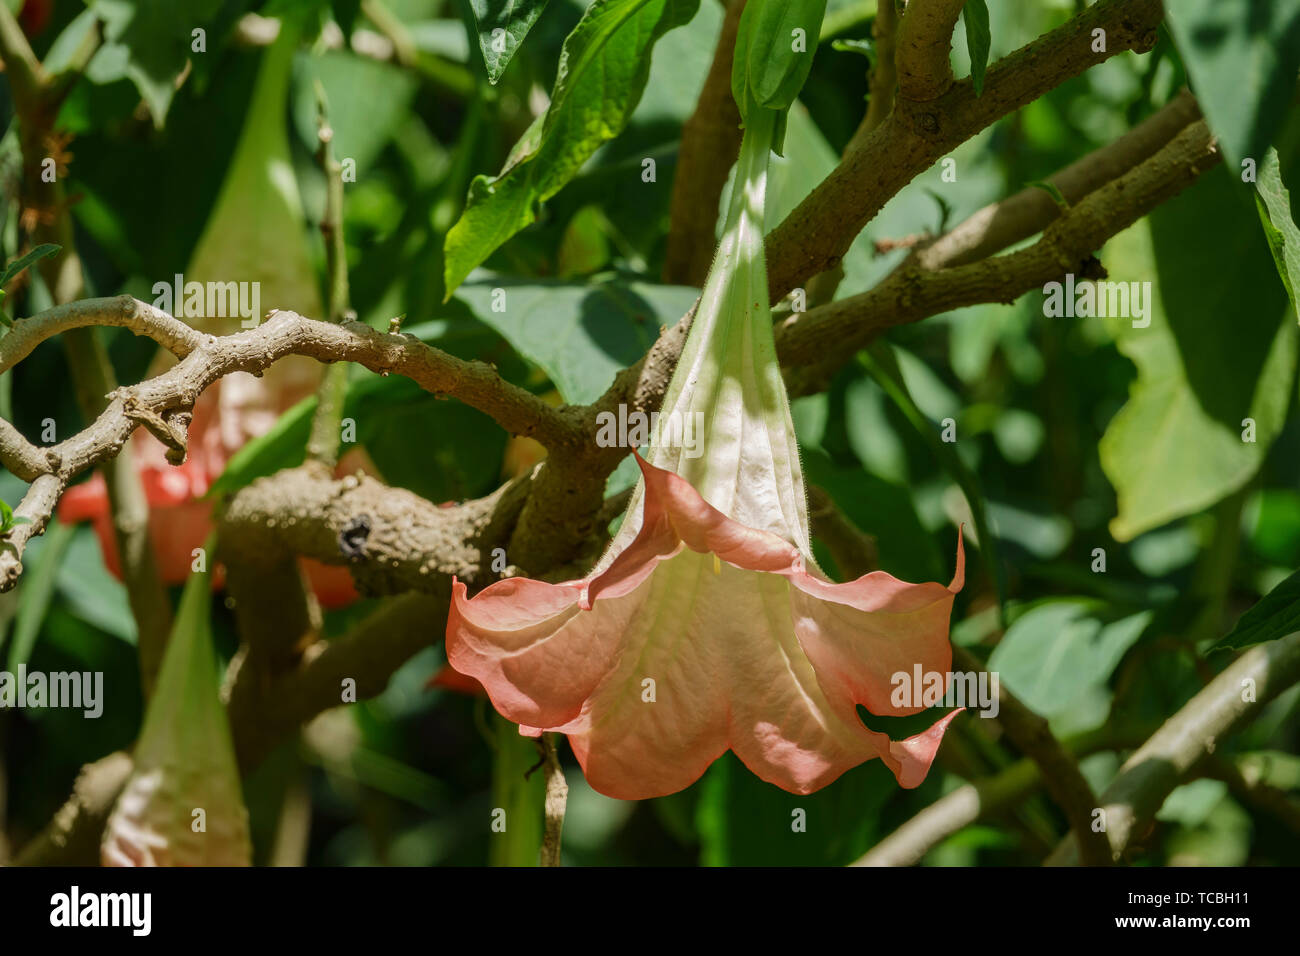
column 1004, row 223
column 368, row 655
column 391, row 539
column 211, row 358
column 815, row 236
column 924, row 45
column 570, row 490
column 911, row 293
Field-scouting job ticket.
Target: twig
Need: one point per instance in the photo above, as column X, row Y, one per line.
column 884, row 77
column 1067, row 786
column 557, row 798
column 1255, row 792
column 323, row 442
column 968, row 804
column 1147, row 777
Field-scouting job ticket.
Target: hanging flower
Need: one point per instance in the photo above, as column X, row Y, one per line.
column 707, row 625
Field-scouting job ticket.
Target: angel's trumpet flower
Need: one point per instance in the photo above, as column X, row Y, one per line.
column 707, row 625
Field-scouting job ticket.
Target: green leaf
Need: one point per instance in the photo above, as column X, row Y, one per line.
column 1180, row 443
column 886, row 511
column 90, row 592
column 368, row 101
column 458, row 456
column 866, row 46
column 1276, row 615
column 22, row 262
column 879, row 360
column 81, row 30
column 283, row 445
column 6, row 515
column 1242, row 56
column 502, row 26
column 1058, row 657
column 975, row 15
column 602, row 73
column 580, row 334
column 150, row 41
column 38, row 589
column 1051, row 189
column 744, row 821
column 1273, row 200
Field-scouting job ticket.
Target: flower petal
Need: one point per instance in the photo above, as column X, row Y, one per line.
column 705, row 635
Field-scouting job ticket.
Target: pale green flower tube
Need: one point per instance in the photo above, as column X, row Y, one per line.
column 727, row 395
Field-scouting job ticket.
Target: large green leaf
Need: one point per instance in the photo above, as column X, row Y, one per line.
column 368, row 101
column 502, row 26
column 1219, row 350
column 1274, row 202
column 458, row 454
column 743, row 821
column 1276, row 615
column 602, row 72
column 149, row 42
column 1058, row 657
column 882, row 363
column 1242, row 56
column 580, row 334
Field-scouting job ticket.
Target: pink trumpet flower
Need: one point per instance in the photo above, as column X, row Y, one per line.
column 707, row 625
